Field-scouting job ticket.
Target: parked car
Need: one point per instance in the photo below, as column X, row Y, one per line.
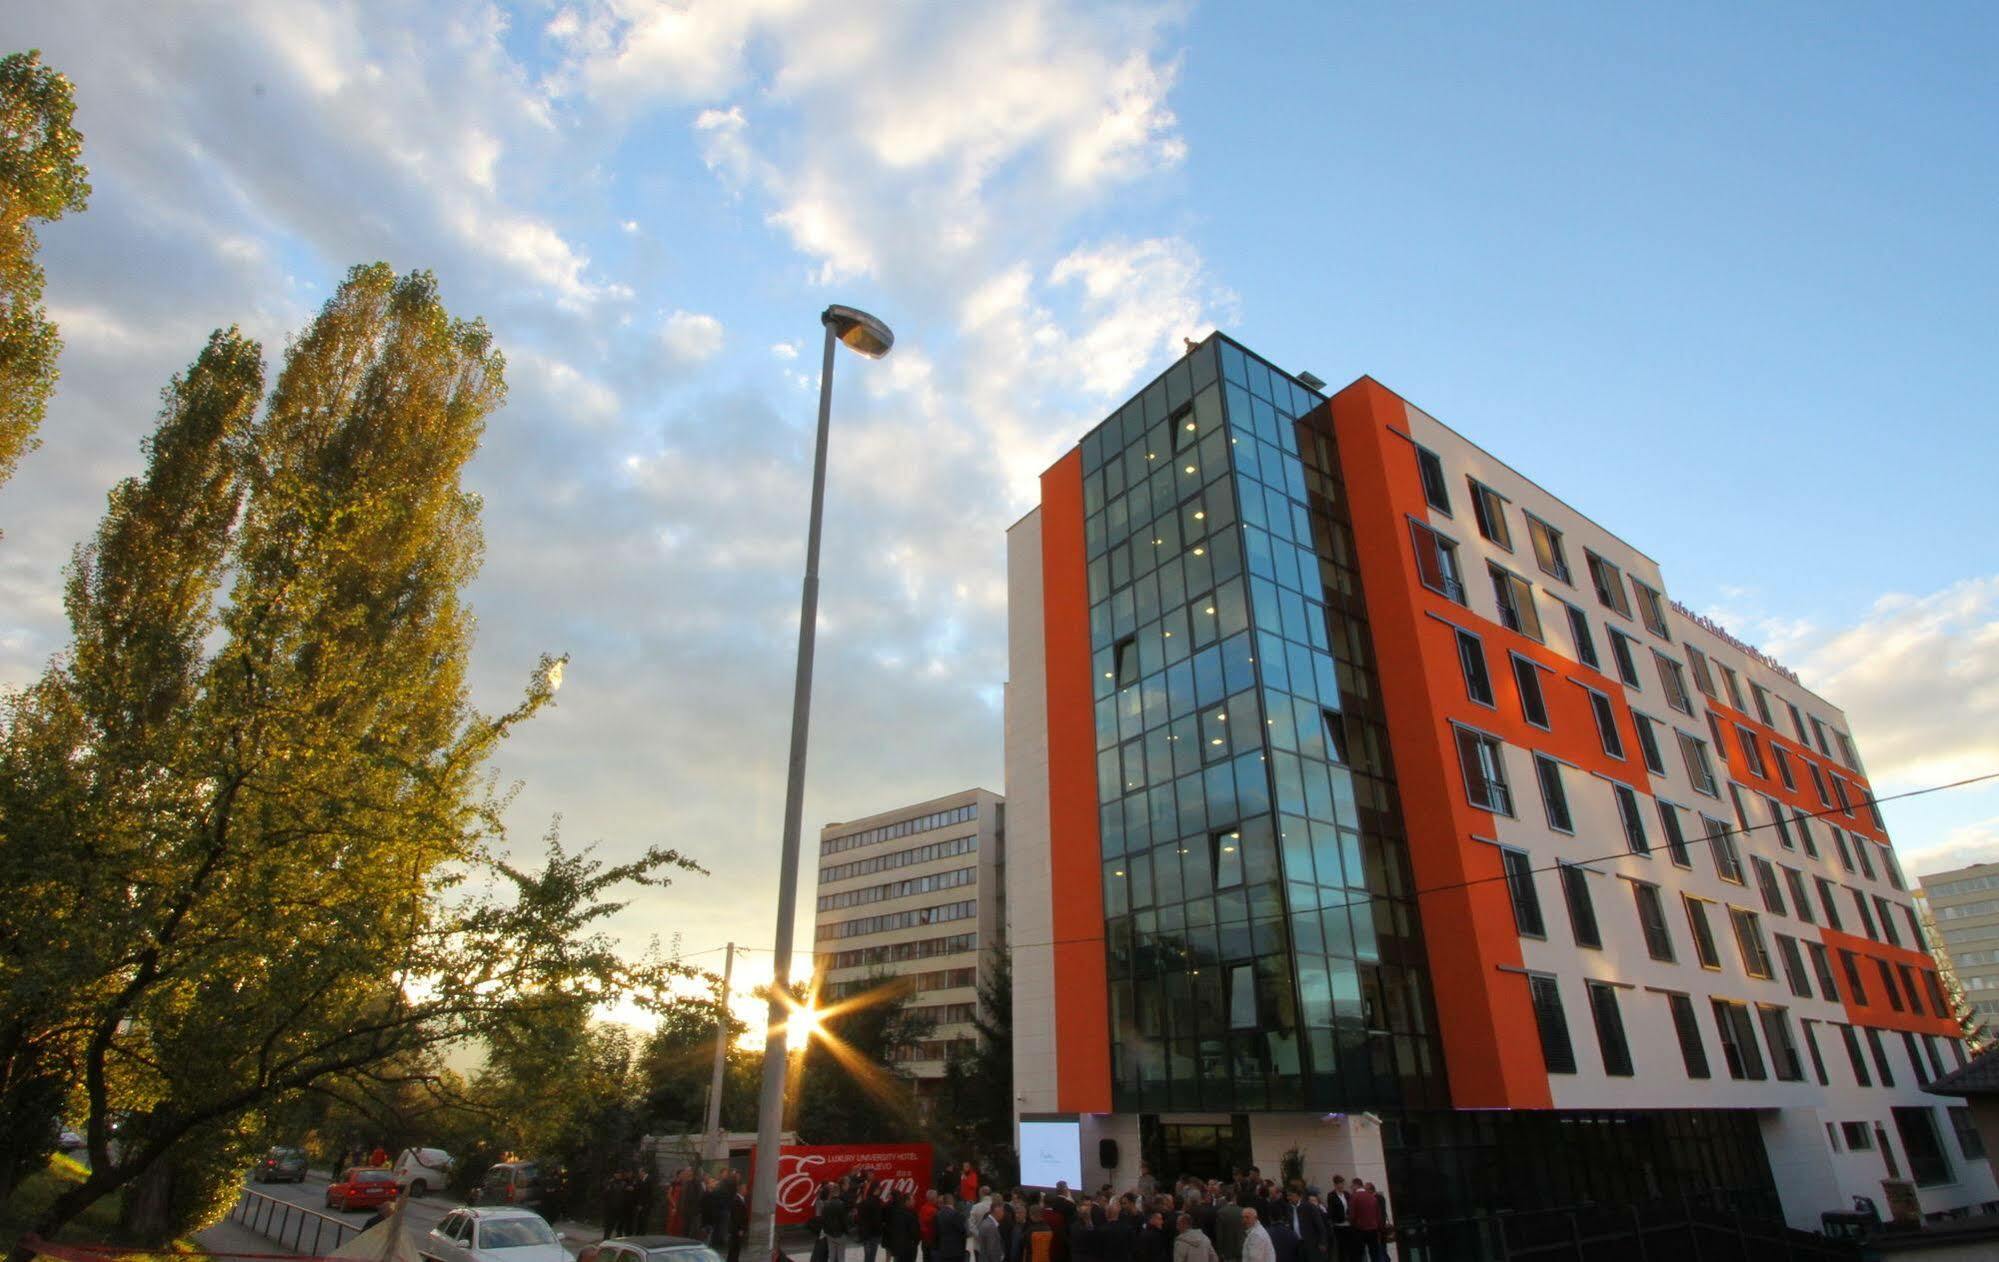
column 492, row 1234
column 648, row 1249
column 420, row 1169
column 280, row 1165
column 510, row 1183
column 362, row 1188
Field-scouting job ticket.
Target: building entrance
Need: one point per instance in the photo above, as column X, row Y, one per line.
column 1206, row 1150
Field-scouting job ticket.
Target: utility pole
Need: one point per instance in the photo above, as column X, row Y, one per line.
column 717, row 1151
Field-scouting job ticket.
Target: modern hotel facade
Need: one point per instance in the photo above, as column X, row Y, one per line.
column 1369, row 801
column 915, row 894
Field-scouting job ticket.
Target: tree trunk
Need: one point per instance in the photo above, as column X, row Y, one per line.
column 67, row 1206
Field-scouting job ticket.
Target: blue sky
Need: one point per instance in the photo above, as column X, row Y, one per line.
column 1723, row 280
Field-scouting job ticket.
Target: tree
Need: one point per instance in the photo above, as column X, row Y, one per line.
column 677, row 1066
column 975, row 1100
column 273, row 819
column 845, row 1093
column 1973, row 1030
column 41, row 178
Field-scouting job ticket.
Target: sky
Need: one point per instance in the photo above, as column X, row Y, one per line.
column 1722, row 279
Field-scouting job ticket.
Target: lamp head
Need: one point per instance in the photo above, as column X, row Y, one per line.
column 859, row 330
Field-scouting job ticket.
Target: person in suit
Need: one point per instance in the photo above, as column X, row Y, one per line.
column 950, row 1228
column 1308, row 1221
column 990, row 1233
column 1345, row 1247
column 901, row 1233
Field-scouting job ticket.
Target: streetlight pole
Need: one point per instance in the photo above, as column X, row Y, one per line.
column 717, row 1150
column 872, row 338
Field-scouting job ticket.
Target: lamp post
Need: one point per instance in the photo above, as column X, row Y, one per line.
column 869, row 336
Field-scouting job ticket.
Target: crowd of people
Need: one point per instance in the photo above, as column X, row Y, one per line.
column 1246, row 1219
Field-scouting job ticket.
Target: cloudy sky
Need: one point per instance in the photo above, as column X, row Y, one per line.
column 1724, row 281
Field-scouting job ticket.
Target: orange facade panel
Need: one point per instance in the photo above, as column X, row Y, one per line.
column 1876, row 1010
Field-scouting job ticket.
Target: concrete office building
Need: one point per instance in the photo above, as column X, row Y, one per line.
column 916, row 894
column 1371, row 801
column 1964, row 913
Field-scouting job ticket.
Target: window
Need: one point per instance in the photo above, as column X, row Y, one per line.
column 1606, row 723
column 1721, row 842
column 1609, row 1029
column 1652, row 921
column 1797, row 722
column 1752, row 752
column 1826, row 905
column 1801, row 907
column 1242, row 997
column 1437, row 562
column 1734, row 687
column 1516, row 602
column 1627, row 662
column 1489, row 508
column 1582, row 912
column 1818, row 782
column 1703, row 678
column 1839, row 841
column 1889, row 867
column 1634, row 823
column 1485, row 771
column 1761, row 696
column 1651, row 610
column 1520, row 887
column 1471, row 661
column 1846, row 754
column 1776, row 810
column 1863, row 851
column 1888, row 985
column 1556, row 1049
column 1749, row 942
column 1225, row 858
column 1822, row 969
column 1916, row 1067
column 1527, row 677
column 1738, row 1040
column 1918, row 1129
column 1776, row 1022
column 1693, row 752
column 1704, row 948
column 1435, row 489
column 1126, row 655
column 1969, row 1141
column 1676, row 839
column 1554, row 798
column 1859, row 1064
column 1909, row 991
column 1585, row 642
column 1805, row 832
column 1692, row 1051
column 1766, row 884
column 1880, row 1055
column 1648, row 743
column 1884, row 907
column 1818, row 736
column 1866, row 914
column 1673, row 678
column 1818, row 1067
column 1548, row 551
column 1935, row 989
column 1852, row 967
column 1608, row 581
column 1783, row 761
column 1794, row 966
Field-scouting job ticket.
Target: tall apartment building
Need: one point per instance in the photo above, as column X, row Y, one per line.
column 1369, row 800
column 915, row 894
column 1964, row 913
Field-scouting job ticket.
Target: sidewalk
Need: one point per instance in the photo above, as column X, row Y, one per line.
column 232, row 1237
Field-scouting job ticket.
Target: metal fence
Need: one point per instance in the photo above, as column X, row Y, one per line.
column 295, row 1227
column 1652, row 1231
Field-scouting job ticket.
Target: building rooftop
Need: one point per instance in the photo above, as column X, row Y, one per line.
column 1979, row 1078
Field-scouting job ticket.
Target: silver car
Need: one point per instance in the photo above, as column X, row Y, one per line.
column 493, row 1235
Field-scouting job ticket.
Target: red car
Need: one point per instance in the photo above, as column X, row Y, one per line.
column 362, row 1189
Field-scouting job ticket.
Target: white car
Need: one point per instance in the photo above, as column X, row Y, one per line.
column 493, row 1235
column 420, row 1170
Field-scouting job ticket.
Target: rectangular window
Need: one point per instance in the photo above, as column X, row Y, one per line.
column 1676, row 838
column 1652, row 921
column 1516, row 602
column 1721, row 842
column 1526, row 900
column 1527, row 677
column 1860, row 1076
column 1556, row 1050
column 1693, row 752
column 1548, row 551
column 1818, row 783
column 1885, row 908
column 1485, row 772
column 1935, row 989
column 1797, row 722
column 1752, row 752
column 1918, row 1128
column 1766, row 884
column 1609, row 1029
column 1739, row 1050
column 1651, row 610
column 1828, row 906
column 1648, row 743
column 1554, row 797
column 1634, row 822
column 1435, row 488
column 1851, row 964
column 1916, row 1067
column 1846, row 754
column 1795, row 976
column 1888, row 986
column 1489, row 508
column 1863, row 850
column 1749, row 942
column 1866, row 914
column 1783, row 761
column 1794, row 881
column 1471, row 663
column 1839, row 843
column 1818, row 736
column 1776, row 810
column 1580, row 632
column 1734, row 687
column 1907, row 977
column 1822, row 969
column 1776, row 1022
column 1125, row 654
column 1818, row 1063
column 1608, row 581
column 1969, row 1141
column 1845, row 803
column 1762, row 699
column 1225, row 859
column 1692, row 1051
column 1606, row 723
column 1703, row 678
column 1627, row 661
column 1673, row 678
column 1880, row 1055
column 1704, row 948
column 1582, row 911
column 1437, row 562
column 1804, row 832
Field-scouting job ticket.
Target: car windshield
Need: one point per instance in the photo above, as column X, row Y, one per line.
column 509, row 1233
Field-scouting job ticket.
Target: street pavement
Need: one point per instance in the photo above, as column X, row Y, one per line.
column 423, row 1214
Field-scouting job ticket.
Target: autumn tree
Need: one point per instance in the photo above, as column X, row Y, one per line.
column 41, row 179
column 253, row 846
column 847, row 1089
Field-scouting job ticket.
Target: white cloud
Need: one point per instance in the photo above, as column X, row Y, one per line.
column 1975, row 842
column 690, row 337
column 784, row 350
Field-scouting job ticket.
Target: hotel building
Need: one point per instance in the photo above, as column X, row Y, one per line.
column 916, row 894
column 1371, row 802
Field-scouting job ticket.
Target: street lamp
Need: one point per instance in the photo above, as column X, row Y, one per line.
column 869, row 336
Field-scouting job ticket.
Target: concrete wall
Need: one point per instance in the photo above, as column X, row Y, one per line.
column 1030, row 928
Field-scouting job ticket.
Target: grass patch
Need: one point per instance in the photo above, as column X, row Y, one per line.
column 98, row 1224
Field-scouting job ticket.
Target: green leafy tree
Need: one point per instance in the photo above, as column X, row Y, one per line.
column 253, row 850
column 41, row 179
column 846, row 1092
column 677, row 1065
column 974, row 1112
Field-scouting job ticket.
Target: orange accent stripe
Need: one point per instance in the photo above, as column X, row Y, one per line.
column 1876, row 1011
column 1081, row 1015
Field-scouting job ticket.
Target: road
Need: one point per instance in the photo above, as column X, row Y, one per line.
column 423, row 1213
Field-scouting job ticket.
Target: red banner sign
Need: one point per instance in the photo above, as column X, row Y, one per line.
column 801, row 1168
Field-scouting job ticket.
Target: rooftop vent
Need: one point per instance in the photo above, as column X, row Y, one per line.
column 1310, row 382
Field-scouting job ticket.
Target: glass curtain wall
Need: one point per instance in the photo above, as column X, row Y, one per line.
column 1262, row 950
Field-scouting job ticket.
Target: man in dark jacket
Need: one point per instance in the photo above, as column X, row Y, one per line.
column 1085, row 1238
column 1155, row 1242
column 950, row 1229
